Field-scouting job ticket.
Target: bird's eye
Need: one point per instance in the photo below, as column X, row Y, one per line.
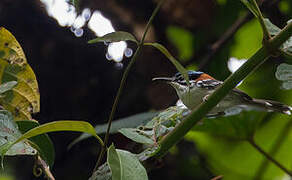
column 199, row 83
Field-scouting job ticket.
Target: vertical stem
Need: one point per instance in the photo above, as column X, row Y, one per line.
column 122, row 84
column 261, row 20
column 45, row 168
column 270, row 158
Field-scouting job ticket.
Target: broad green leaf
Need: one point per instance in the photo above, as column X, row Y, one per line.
column 9, row 133
column 7, row 86
column 102, row 173
column 169, row 117
column 45, row 146
column 247, row 40
column 238, row 159
column 114, row 37
column 273, row 29
column 183, row 40
column 125, row 165
column 132, row 169
column 24, row 98
column 137, row 135
column 240, row 127
column 159, row 126
column 114, row 163
column 128, row 122
column 284, row 73
column 78, row 126
column 178, row 66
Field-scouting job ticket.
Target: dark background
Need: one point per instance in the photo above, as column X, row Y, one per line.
column 78, row 83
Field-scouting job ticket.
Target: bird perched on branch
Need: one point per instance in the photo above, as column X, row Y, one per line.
column 203, row 85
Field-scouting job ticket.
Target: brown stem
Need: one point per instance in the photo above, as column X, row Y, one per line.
column 275, row 148
column 45, row 168
column 228, row 34
column 268, row 156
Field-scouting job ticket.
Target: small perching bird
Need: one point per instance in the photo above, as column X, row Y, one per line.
column 203, row 85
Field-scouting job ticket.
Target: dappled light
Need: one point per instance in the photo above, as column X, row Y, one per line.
column 66, row 15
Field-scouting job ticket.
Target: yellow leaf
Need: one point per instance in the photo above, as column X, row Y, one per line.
column 24, row 98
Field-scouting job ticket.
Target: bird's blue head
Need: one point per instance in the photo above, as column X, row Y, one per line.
column 193, row 75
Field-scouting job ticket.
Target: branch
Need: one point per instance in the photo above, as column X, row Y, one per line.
column 252, row 64
column 275, row 148
column 44, row 168
column 260, row 17
column 122, row 84
column 228, row 34
column 270, row 158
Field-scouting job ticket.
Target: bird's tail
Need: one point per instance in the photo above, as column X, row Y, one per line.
column 272, row 106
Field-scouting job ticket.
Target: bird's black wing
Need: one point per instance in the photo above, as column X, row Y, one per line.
column 212, row 84
column 209, row 83
column 242, row 94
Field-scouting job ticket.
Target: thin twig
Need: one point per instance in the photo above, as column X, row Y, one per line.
column 122, row 84
column 217, row 177
column 275, row 148
column 228, row 34
column 45, row 168
column 260, row 17
column 269, row 157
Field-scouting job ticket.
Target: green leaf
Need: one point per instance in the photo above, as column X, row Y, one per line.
column 273, row 29
column 183, row 40
column 125, row 165
column 238, row 159
column 137, row 135
column 24, row 98
column 128, row 122
column 178, row 66
column 7, row 86
column 114, row 163
column 170, row 117
column 102, row 173
column 78, row 126
column 247, row 40
column 114, row 37
column 45, row 146
column 241, row 126
column 284, row 73
column 9, row 133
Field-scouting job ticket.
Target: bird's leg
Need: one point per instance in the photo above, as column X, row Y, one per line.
column 205, row 98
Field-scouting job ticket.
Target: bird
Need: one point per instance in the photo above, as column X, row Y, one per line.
column 202, row 85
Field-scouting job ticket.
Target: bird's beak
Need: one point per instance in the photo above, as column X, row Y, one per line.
column 163, row 79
